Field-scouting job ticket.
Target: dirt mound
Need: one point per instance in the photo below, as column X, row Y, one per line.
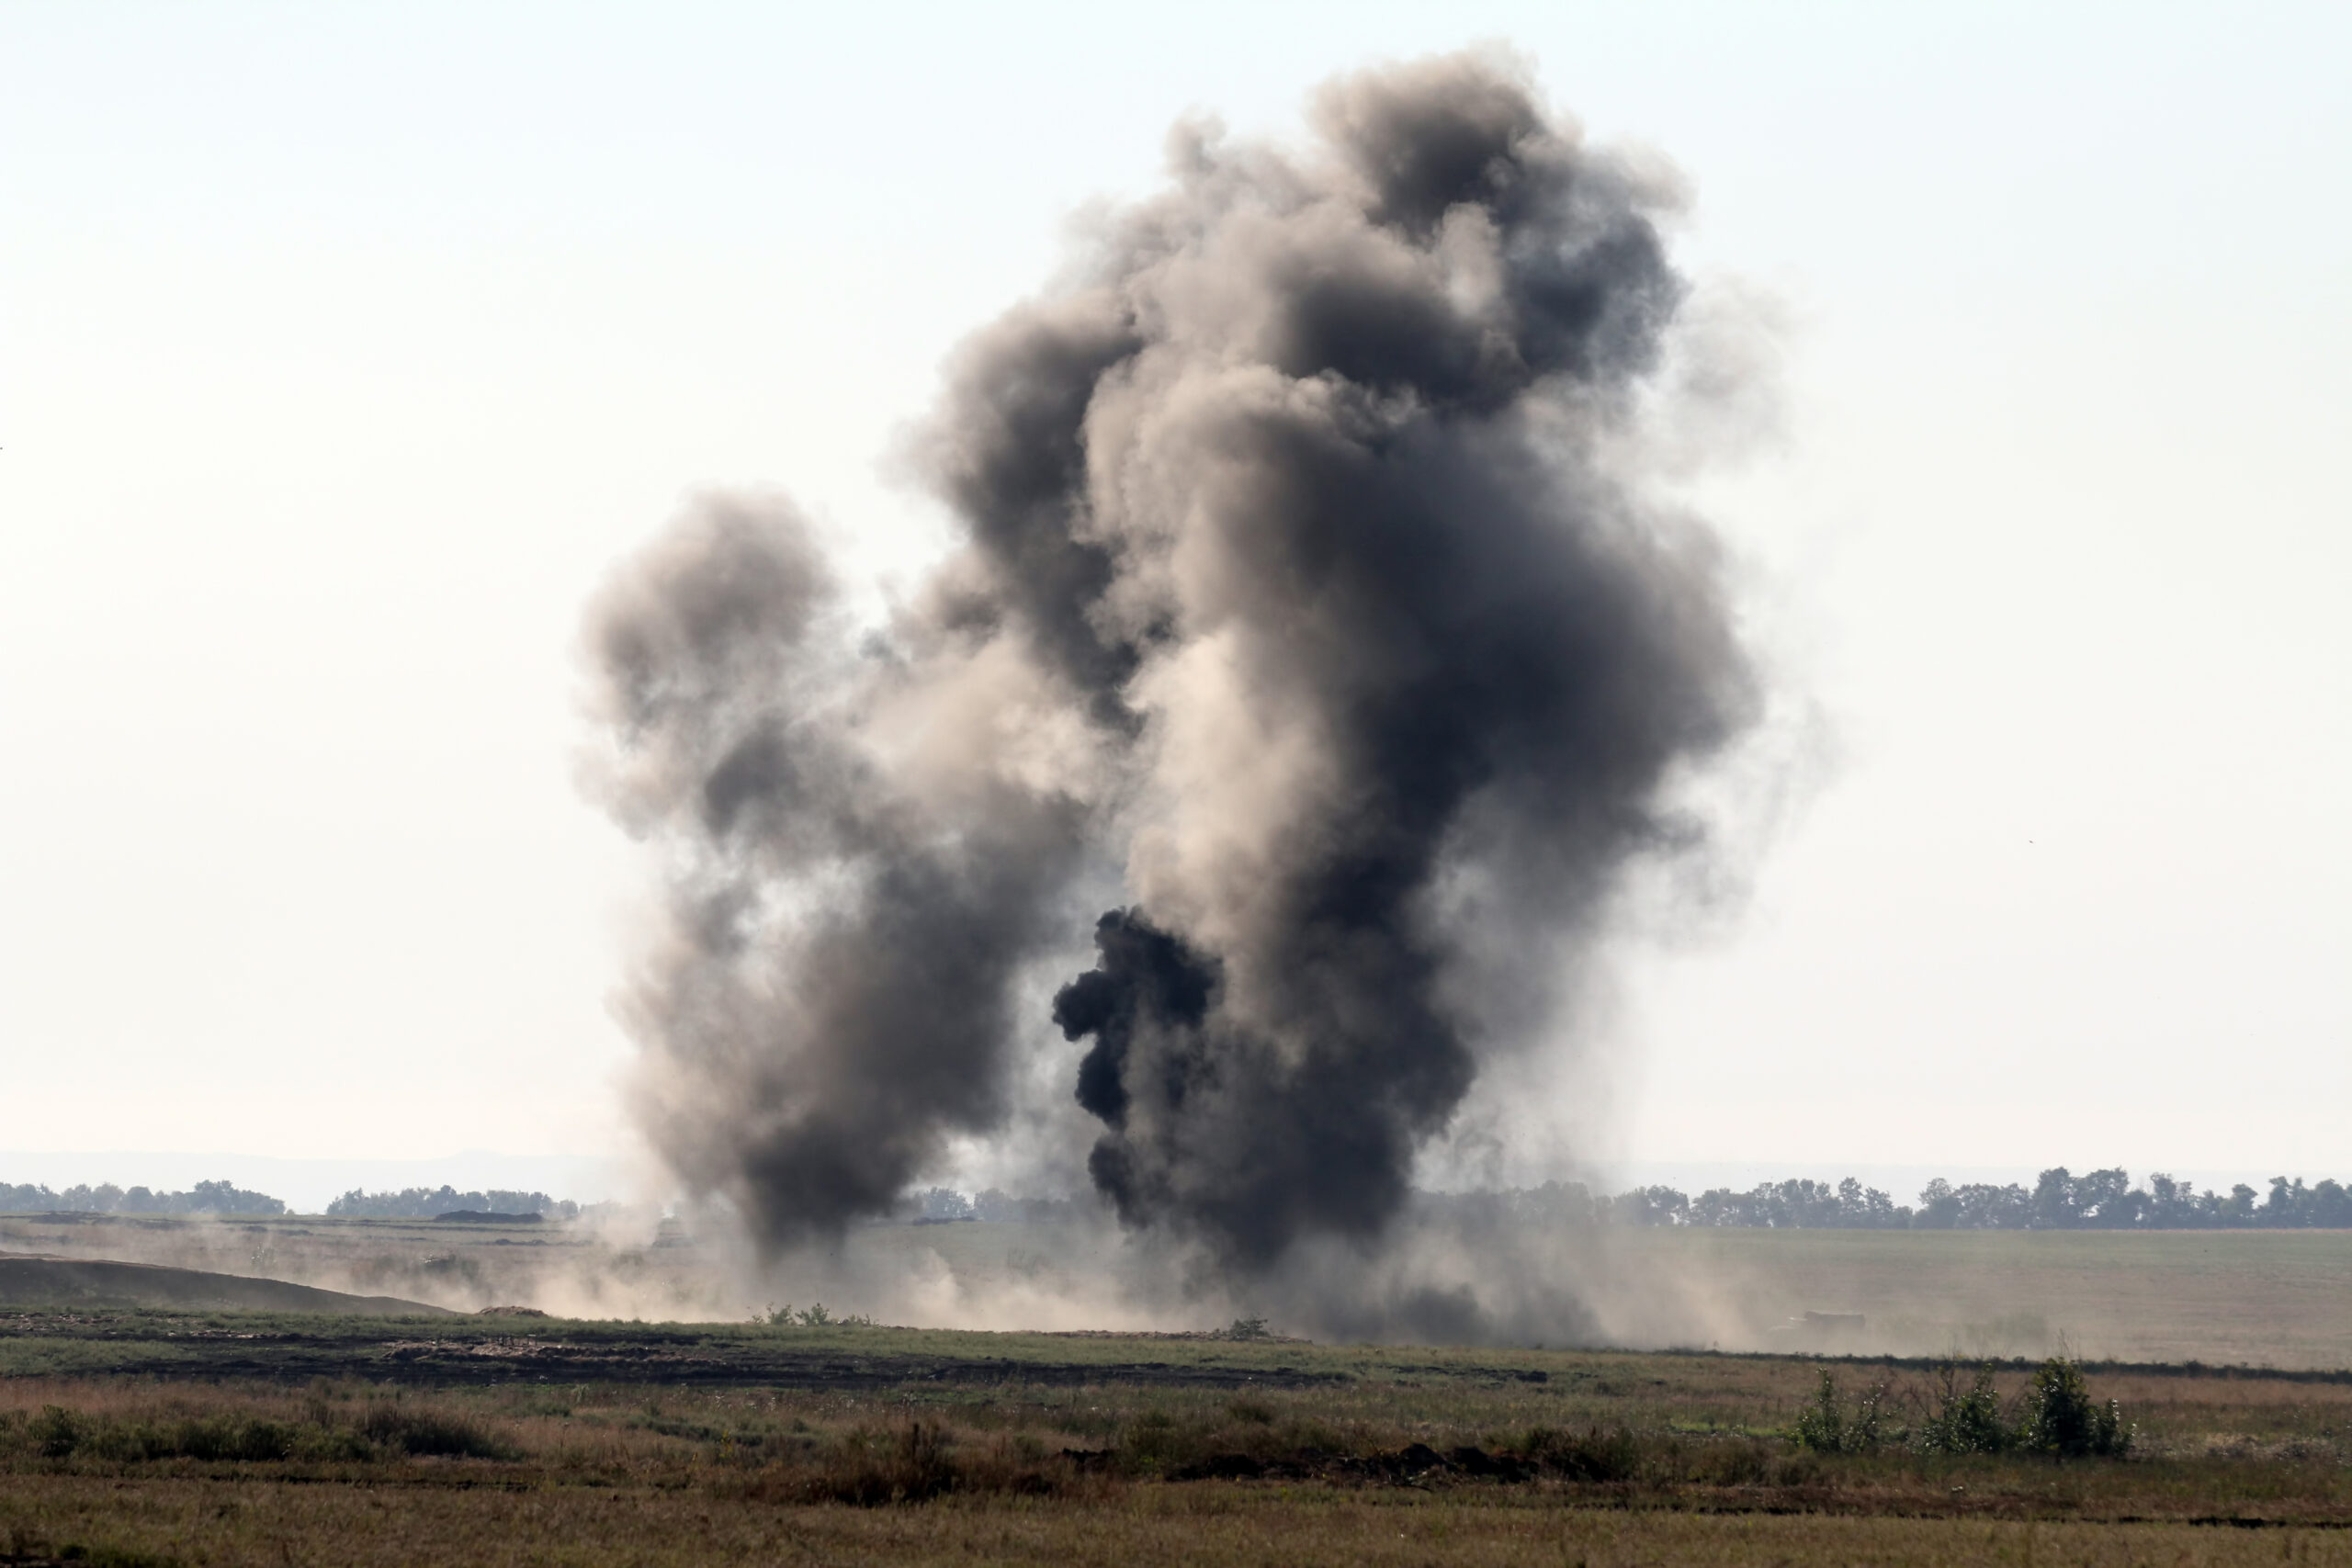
column 60, row 1283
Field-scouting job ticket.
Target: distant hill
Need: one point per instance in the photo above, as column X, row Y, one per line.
column 55, row 1283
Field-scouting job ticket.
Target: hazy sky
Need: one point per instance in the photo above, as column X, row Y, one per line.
column 343, row 349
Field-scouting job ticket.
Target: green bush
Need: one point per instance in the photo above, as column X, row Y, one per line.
column 225, row 1438
column 2059, row 1415
column 1596, row 1456
column 59, row 1433
column 407, row 1429
column 869, row 1468
column 817, row 1316
column 56, row 1432
column 1154, row 1438
column 2055, row 1414
column 1963, row 1421
column 1824, row 1427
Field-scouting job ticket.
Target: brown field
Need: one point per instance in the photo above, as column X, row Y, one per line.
column 245, row 1437
column 165, row 1520
column 2264, row 1298
column 195, row 1435
column 66, row 1283
column 2261, row 1298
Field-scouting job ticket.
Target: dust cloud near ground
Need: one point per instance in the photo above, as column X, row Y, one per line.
column 2257, row 1298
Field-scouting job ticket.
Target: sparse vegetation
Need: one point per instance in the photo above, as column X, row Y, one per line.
column 180, row 1429
column 454, row 1440
column 2059, row 1416
column 220, row 1437
column 1962, row 1420
column 2054, row 1414
column 815, row 1316
column 408, row 1427
column 1827, row 1426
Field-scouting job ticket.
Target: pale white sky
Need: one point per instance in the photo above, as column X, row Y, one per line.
column 343, row 349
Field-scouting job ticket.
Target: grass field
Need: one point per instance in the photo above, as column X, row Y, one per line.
column 197, row 1435
column 228, row 1438
column 157, row 1521
column 2275, row 1298
column 2265, row 1298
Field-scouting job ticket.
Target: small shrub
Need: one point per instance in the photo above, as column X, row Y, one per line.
column 1962, row 1422
column 431, row 1433
column 1824, row 1427
column 332, row 1444
column 56, row 1432
column 925, row 1466
column 59, row 1433
column 868, row 1470
column 2060, row 1416
column 814, row 1316
column 1152, row 1438
column 132, row 1441
column 226, row 1438
column 1596, row 1456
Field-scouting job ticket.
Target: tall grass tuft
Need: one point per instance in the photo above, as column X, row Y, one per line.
column 424, row 1432
column 873, row 1468
column 1596, row 1456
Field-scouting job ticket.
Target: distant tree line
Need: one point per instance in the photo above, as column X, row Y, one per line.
column 2059, row 1200
column 221, row 1198
column 423, row 1202
column 204, row 1198
column 2100, row 1200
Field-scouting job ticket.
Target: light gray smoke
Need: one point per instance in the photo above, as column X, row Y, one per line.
column 1303, row 588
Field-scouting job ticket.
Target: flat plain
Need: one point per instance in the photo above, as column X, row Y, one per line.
column 163, row 1433
column 234, row 1438
column 2264, row 1298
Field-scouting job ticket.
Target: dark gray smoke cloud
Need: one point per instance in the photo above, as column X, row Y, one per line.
column 829, row 997
column 1306, row 588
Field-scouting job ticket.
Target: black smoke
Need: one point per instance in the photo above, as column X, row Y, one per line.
column 1311, row 586
column 1144, row 979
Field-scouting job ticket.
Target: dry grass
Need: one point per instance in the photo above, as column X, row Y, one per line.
column 226, row 1438
column 2162, row 1296
column 2260, row 1297
column 178, row 1519
column 1616, row 1432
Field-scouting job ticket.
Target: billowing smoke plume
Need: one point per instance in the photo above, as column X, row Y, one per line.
column 1306, row 593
